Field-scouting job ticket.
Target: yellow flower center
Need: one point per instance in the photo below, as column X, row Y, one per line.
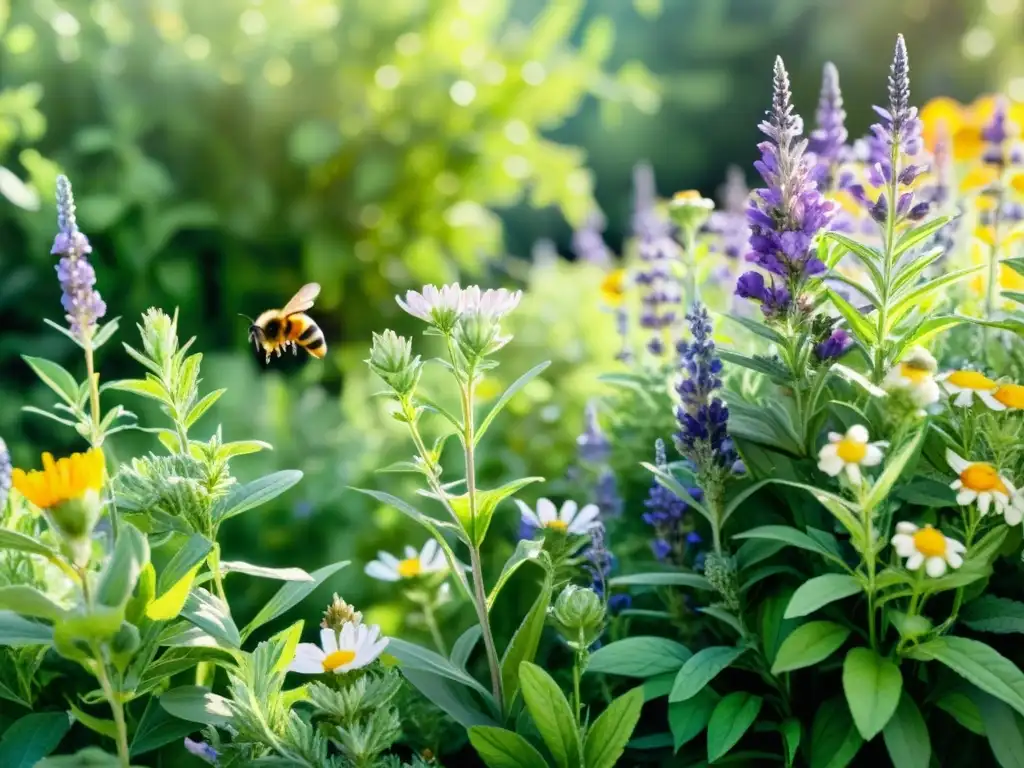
column 1010, row 395
column 851, row 451
column 971, row 380
column 980, row 477
column 613, row 287
column 409, row 568
column 913, row 373
column 930, row 542
column 334, row 660
column 62, row 480
column 557, row 525
column 686, row 196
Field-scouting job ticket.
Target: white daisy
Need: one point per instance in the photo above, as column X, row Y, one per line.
column 437, row 306
column 494, row 303
column 1014, row 512
column 356, row 646
column 570, row 519
column 967, row 385
column 850, row 452
column 929, row 547
column 387, row 567
column 915, row 374
column 979, row 481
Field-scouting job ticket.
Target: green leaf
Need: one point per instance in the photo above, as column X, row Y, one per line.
column 912, row 296
column 48, row 415
column 192, row 552
column 509, row 393
column 200, row 408
column 977, row 663
column 31, row 738
column 464, row 646
column 499, row 748
column 158, row 728
column 834, row 738
column 994, row 614
column 551, row 714
column 1003, row 729
column 99, row 725
column 524, row 643
column 608, row 736
column 55, row 377
column 244, row 497
column 486, row 503
column 208, row 612
column 291, row 594
column 872, row 685
column 820, row 591
column 785, row 534
column 766, row 366
column 19, row 542
column 866, row 255
column 29, row 601
column 105, row 332
column 701, row 668
column 732, row 717
column 791, row 734
column 686, row 719
column 197, row 704
column 927, row 492
column 661, row 579
column 527, row 550
column 454, row 699
column 917, row 235
column 667, row 480
column 906, row 736
column 169, row 605
column 961, row 708
column 130, row 556
column 859, row 286
column 262, row 572
column 149, row 387
column 416, row 657
column 808, row 644
column 855, row 321
column 430, row 523
column 17, row 632
column 90, row 757
column 759, row 329
column 925, row 330
column 639, row 657
column 894, row 469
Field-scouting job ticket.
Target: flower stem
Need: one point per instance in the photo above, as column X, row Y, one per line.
column 94, row 391
column 577, row 704
column 480, row 599
column 435, row 630
column 869, row 562
column 115, row 706
column 213, row 563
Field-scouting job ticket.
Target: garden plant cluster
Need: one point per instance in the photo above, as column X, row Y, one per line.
column 792, row 536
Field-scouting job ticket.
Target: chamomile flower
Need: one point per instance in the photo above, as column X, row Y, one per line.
column 850, row 452
column 928, row 547
column 569, row 519
column 979, row 481
column 494, row 303
column 440, row 307
column 387, row 567
column 966, row 385
column 916, row 375
column 353, row 648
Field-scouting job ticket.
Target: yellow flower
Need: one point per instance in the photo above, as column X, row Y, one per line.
column 1010, row 395
column 979, row 481
column 928, row 547
column 1009, row 278
column 63, row 480
column 966, row 385
column 613, row 287
column 964, row 122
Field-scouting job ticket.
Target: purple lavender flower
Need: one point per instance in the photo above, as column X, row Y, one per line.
column 601, row 564
column 588, row 244
column 202, row 750
column 703, row 417
column 6, row 469
column 625, row 354
column 592, row 446
column 81, row 301
column 606, row 495
column 834, row 346
column 785, row 215
column 657, row 250
column 669, row 516
column 827, row 141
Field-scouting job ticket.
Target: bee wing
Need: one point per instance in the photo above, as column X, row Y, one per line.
column 302, row 300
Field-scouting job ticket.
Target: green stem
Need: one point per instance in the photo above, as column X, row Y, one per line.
column 690, row 249
column 869, row 562
column 480, row 600
column 115, row 706
column 435, row 630
column 213, row 563
column 577, row 703
column 94, row 392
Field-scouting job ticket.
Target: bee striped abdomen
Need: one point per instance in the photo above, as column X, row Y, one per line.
column 307, row 334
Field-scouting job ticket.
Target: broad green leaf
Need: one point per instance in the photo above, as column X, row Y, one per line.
column 55, row 377
column 977, row 663
column 200, row 408
column 750, row 422
column 17, row 632
column 527, row 550
column 686, row 719
column 760, row 329
column 551, row 714
column 407, row 509
column 499, row 748
column 859, row 286
column 786, row 535
column 772, row 625
column 244, row 497
column 48, row 415
column 732, row 717
column 192, row 553
column 197, row 704
column 872, row 685
column 858, row 324
column 1003, row 727
column 242, row 448
column 31, row 738
column 90, row 757
column 639, row 657
column 895, row 467
column 158, row 728
column 130, row 556
column 464, row 646
column 291, row 594
column 149, row 387
column 754, row 551
column 30, row 602
column 859, row 379
column 208, row 612
column 22, row 543
column 661, row 579
column 927, row 492
column 609, row 734
column 994, row 614
column 834, row 738
column 452, row 698
column 735, row 502
column 701, row 668
column 502, row 401
column 524, row 643
column 286, row 641
column 262, row 572
column 808, row 644
column 170, row 603
column 906, row 736
column 962, row 708
column 820, row 591
column 791, row 735
column 412, row 656
column 486, row 503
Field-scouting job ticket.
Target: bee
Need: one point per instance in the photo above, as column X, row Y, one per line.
column 277, row 329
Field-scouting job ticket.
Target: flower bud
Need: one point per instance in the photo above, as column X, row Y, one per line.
column 478, row 335
column 76, row 519
column 689, row 210
column 159, row 337
column 339, row 613
column 391, row 358
column 721, row 573
column 579, row 615
column 124, row 644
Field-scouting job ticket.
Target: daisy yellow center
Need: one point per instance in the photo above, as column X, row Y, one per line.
column 613, row 287
column 1010, row 395
column 913, row 374
column 851, row 451
column 409, row 568
column 557, row 525
column 687, row 196
column 62, row 480
column 339, row 658
column 971, row 380
column 980, row 477
column 929, row 542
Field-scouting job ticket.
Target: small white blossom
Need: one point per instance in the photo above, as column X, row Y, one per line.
column 980, row 481
column 928, row 547
column 915, row 374
column 570, row 519
column 353, row 648
column 387, row 567
column 966, row 385
column 850, row 452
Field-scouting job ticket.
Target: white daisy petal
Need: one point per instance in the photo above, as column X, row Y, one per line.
column 429, row 551
column 1013, row 515
column 966, row 496
column 375, row 569
column 853, row 472
column 964, row 398
column 329, row 639
column 528, row 514
column 388, row 559
column 984, row 502
column 906, row 527
column 935, row 567
column 568, row 511
column 546, row 511
column 831, row 466
column 308, row 659
column 834, row 437
column 585, row 519
column 903, row 544
column 990, row 401
column 955, row 559
column 872, row 458
column 858, row 433
column 956, row 462
column 915, row 561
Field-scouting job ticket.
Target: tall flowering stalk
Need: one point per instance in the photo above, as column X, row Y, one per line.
column 657, row 250
column 669, row 516
column 6, row 468
column 827, row 142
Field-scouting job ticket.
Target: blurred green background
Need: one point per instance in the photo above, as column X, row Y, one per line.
column 223, row 152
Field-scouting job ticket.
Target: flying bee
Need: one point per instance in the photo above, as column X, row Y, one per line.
column 277, row 329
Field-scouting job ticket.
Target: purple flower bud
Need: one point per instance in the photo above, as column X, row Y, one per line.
column 834, row 346
column 880, row 210
column 82, row 303
column 909, row 174
column 918, row 212
column 202, row 750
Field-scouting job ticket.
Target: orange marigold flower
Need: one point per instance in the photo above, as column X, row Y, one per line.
column 63, row 480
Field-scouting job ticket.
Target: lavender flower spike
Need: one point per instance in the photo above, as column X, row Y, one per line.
column 668, row 515
column 827, row 141
column 6, row 469
column 81, row 301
